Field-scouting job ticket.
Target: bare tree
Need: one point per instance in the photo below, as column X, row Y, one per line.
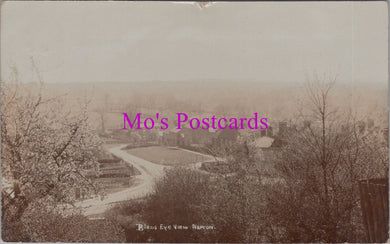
column 321, row 164
column 46, row 151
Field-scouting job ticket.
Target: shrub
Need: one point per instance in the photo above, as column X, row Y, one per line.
column 51, row 225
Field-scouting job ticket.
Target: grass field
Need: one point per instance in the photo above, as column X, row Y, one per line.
column 168, row 155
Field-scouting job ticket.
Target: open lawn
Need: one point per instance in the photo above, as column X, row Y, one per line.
column 168, row 155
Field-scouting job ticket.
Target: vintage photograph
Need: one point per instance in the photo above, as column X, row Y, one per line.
column 194, row 122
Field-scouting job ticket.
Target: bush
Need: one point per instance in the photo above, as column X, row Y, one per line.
column 50, row 225
column 181, row 197
column 186, row 197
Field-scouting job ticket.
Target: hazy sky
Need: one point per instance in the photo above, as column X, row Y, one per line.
column 144, row 41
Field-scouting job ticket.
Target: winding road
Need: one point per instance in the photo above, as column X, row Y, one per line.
column 143, row 183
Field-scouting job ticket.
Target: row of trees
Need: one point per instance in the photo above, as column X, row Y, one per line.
column 46, row 152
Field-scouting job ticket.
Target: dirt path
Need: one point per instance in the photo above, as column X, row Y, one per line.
column 144, row 183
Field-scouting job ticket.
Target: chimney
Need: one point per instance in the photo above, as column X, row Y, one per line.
column 282, row 128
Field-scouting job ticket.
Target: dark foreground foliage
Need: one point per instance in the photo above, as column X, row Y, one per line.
column 43, row 225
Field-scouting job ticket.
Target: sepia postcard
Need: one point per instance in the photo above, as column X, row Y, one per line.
column 194, row 122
